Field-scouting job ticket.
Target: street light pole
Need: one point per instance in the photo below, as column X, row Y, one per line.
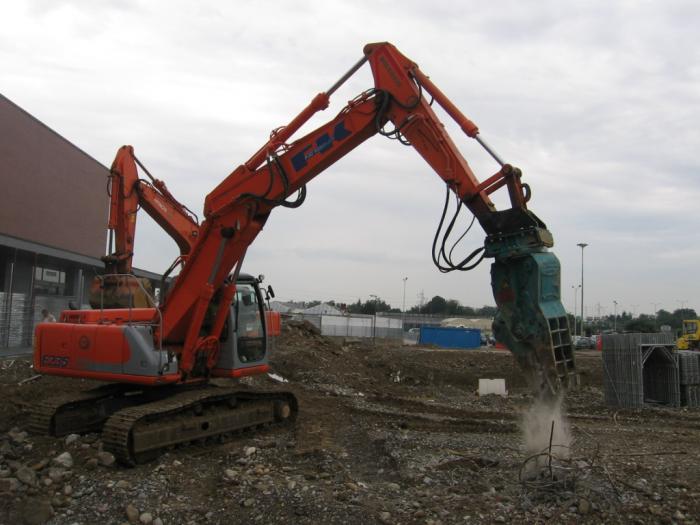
column 615, row 318
column 403, row 305
column 655, row 308
column 374, row 324
column 582, row 245
column 575, row 287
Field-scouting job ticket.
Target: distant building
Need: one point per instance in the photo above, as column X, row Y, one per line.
column 53, row 218
column 292, row 307
column 483, row 324
column 289, row 307
column 322, row 309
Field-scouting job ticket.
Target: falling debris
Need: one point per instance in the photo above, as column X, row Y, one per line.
column 546, row 434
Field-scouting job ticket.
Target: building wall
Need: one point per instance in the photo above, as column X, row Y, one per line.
column 52, row 192
column 53, row 225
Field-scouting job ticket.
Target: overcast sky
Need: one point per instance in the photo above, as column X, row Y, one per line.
column 597, row 102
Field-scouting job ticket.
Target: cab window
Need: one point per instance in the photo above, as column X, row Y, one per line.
column 250, row 331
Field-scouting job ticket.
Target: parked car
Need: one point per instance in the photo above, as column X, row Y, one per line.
column 584, row 343
column 487, row 340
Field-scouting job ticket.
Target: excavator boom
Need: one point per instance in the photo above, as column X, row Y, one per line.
column 525, row 276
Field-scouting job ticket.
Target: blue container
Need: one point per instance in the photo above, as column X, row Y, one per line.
column 446, row 337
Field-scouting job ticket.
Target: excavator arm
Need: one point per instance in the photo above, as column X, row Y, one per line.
column 127, row 193
column 117, row 287
column 525, row 276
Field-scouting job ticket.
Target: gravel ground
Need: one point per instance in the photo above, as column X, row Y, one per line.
column 386, row 434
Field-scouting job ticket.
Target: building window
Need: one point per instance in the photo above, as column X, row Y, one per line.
column 49, row 281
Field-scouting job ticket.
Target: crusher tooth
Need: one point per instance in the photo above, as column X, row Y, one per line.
column 137, row 426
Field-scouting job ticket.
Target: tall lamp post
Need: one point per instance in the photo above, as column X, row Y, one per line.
column 403, row 304
column 374, row 324
column 575, row 287
column 582, row 245
column 656, row 309
column 615, row 318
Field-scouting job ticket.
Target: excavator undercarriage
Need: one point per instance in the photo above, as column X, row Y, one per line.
column 138, row 424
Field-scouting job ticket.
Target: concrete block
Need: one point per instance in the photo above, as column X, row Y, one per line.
column 492, row 386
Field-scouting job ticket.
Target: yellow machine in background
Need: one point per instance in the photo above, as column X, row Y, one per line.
column 690, row 336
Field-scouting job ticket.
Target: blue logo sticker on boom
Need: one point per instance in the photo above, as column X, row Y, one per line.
column 323, row 144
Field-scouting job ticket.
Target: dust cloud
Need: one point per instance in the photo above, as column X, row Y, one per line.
column 536, row 426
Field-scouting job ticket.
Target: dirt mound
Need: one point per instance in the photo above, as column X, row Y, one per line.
column 302, row 327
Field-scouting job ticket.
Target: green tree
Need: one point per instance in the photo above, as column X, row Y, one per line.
column 355, row 308
column 685, row 313
column 468, row 311
column 486, row 311
column 370, row 307
column 437, row 305
column 452, row 307
column 675, row 319
column 641, row 324
column 441, row 306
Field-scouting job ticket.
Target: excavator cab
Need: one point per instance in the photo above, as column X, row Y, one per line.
column 244, row 343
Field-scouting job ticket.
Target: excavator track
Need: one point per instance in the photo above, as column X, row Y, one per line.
column 76, row 413
column 139, row 434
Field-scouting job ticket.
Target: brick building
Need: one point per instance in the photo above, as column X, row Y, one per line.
column 53, row 217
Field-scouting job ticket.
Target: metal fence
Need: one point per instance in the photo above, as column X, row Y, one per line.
column 19, row 314
column 356, row 325
column 640, row 368
column 689, row 371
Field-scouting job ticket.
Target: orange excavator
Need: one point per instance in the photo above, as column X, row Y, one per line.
column 158, row 359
